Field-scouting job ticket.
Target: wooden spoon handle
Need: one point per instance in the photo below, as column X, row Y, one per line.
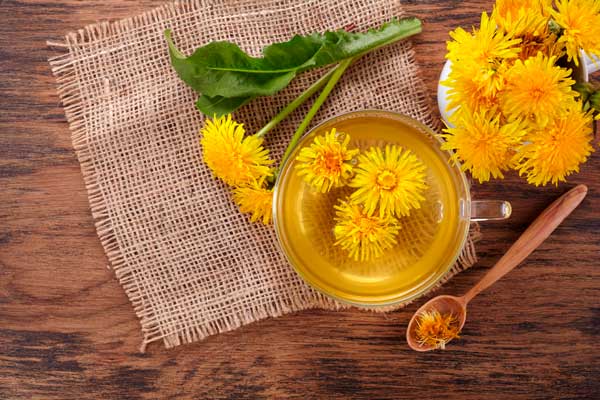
column 533, row 236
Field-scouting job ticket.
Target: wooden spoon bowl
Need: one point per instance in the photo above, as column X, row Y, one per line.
column 445, row 305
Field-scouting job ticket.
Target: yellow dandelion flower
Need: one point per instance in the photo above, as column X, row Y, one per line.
column 483, row 145
column 553, row 153
column 547, row 44
column 481, row 54
column 522, row 17
column 393, row 180
column 435, row 329
column 580, row 21
column 364, row 237
column 231, row 156
column 327, row 162
column 479, row 60
column 486, row 45
column 256, row 199
column 467, row 89
column 528, row 20
column 536, row 89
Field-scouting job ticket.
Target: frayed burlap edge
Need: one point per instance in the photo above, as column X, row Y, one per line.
column 68, row 90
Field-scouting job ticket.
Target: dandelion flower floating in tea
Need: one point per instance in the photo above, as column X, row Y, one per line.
column 536, row 89
column 255, row 199
column 556, row 151
column 232, row 157
column 580, row 23
column 364, row 236
column 390, row 180
column 435, row 329
column 327, row 162
column 483, row 144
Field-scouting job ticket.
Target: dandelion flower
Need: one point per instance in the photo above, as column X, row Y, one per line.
column 435, row 329
column 481, row 56
column 580, row 21
column 484, row 145
column 231, row 156
column 536, row 89
column 528, row 20
column 547, row 44
column 364, row 236
column 465, row 89
column 255, row 199
column 551, row 154
column 327, row 162
column 486, row 45
column 393, row 180
column 522, row 17
column 479, row 60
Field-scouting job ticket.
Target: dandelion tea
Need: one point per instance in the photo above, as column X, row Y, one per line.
column 429, row 238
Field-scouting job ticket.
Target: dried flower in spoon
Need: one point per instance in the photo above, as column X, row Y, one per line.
column 435, row 329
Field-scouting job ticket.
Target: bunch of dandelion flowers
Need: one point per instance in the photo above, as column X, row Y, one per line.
column 507, row 121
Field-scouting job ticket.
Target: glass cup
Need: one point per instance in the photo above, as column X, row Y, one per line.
column 429, row 241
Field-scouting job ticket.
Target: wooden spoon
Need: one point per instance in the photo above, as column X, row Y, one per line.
column 535, row 234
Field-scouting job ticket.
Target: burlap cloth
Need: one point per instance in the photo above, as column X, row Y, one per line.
column 190, row 263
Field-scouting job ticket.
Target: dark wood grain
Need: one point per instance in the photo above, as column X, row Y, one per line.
column 67, row 330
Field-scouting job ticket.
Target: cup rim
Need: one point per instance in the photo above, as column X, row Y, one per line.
column 455, row 164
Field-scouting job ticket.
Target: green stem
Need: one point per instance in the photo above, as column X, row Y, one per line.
column 335, row 77
column 315, row 87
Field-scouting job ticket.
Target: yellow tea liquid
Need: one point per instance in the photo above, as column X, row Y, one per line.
column 428, row 241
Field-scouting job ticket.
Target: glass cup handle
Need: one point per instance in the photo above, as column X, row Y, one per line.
column 490, row 210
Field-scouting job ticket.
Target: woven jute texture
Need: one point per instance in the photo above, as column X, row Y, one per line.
column 190, row 263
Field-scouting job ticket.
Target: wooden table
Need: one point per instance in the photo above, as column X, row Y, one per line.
column 67, row 331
